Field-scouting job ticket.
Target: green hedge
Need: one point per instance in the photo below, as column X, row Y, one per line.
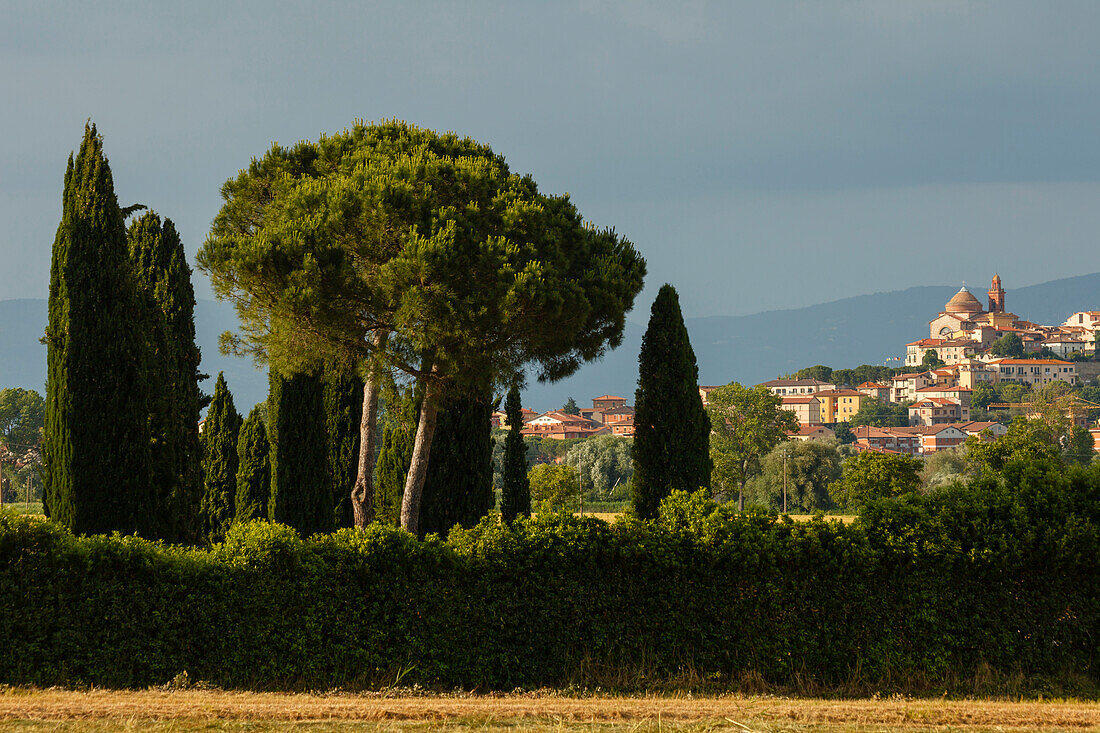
column 926, row 588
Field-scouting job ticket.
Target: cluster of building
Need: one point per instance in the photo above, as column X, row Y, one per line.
column 937, row 400
column 963, row 332
column 939, row 416
column 609, row 415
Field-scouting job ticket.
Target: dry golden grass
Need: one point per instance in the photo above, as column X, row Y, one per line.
column 185, row 710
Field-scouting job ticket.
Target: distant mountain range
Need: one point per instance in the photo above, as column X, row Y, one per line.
column 866, row 329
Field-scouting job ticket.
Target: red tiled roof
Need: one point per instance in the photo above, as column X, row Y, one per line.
column 943, row 342
column 798, row 400
column 861, row 448
column 975, row 426
column 608, row 397
column 933, row 429
column 933, row 402
column 567, row 418
column 902, row 432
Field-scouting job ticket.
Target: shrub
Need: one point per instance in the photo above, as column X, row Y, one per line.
column 999, row 574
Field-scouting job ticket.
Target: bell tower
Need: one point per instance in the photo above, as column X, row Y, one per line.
column 996, row 296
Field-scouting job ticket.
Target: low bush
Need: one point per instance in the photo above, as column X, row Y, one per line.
column 1000, row 576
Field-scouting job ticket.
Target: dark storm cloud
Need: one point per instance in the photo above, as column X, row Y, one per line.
column 852, row 147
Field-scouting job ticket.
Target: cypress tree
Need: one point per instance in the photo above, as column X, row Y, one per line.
column 671, row 427
column 96, row 440
column 164, row 285
column 343, row 404
column 301, row 488
column 219, row 465
column 253, row 469
column 398, row 436
column 459, row 485
column 515, row 495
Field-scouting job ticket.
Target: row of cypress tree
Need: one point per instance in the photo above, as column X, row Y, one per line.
column 292, row 460
column 120, row 447
column 297, row 466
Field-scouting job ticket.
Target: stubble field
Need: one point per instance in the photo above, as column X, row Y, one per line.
column 211, row 710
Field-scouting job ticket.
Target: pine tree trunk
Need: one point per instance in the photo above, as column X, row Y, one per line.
column 418, row 468
column 362, row 492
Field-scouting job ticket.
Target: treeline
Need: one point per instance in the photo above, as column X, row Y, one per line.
column 910, row 597
column 122, row 450
column 849, row 377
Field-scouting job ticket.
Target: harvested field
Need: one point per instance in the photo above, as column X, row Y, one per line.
column 35, row 710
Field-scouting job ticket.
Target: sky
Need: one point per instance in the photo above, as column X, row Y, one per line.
column 759, row 155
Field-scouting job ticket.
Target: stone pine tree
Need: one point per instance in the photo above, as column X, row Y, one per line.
column 301, row 488
column 220, row 436
column 515, row 494
column 164, row 285
column 459, row 485
column 671, row 427
column 398, row 434
column 421, row 252
column 96, row 440
column 253, row 468
column 343, row 402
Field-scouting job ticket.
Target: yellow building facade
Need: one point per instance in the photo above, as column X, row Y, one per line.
column 840, row 405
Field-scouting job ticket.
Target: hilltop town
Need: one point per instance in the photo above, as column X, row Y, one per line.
column 969, row 346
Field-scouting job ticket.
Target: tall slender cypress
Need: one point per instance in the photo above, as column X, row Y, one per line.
column 253, row 469
column 459, row 486
column 395, row 454
column 671, row 428
column 515, row 494
column 219, row 437
column 301, row 488
column 343, row 403
column 164, row 285
column 96, row 442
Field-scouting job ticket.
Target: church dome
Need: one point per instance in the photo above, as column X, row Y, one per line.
column 963, row 302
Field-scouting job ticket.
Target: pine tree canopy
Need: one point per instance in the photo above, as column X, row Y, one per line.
column 96, row 440
column 671, row 428
column 425, row 235
column 430, row 238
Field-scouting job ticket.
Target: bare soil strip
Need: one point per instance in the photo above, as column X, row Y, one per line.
column 17, row 704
